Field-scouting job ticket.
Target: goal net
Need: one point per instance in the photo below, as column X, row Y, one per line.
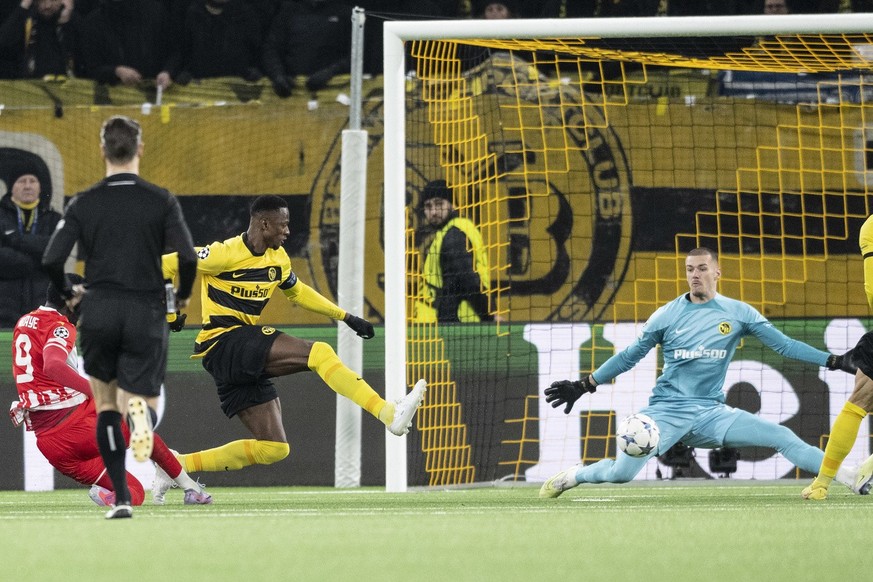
column 592, row 155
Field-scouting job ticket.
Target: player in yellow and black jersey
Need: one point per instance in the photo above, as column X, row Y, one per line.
column 238, row 277
column 844, row 432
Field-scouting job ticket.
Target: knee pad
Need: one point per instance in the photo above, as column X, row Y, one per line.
column 269, row 452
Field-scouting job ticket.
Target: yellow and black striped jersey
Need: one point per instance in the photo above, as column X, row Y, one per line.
column 236, row 284
column 865, row 241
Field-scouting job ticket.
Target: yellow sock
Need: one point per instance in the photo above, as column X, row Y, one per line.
column 235, row 455
column 843, row 435
column 324, row 362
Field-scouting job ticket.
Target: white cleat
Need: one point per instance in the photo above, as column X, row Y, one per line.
column 864, row 479
column 404, row 409
column 142, row 438
column 559, row 483
column 161, row 485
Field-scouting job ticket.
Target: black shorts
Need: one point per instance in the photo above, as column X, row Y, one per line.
column 124, row 337
column 236, row 363
column 863, row 354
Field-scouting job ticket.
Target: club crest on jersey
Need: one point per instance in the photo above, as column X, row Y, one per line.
column 203, row 253
column 61, row 332
column 267, row 330
column 271, row 273
column 724, row 328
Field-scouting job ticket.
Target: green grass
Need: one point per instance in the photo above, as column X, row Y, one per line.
column 681, row 530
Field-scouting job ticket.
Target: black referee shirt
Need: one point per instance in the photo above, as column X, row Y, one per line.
column 123, row 225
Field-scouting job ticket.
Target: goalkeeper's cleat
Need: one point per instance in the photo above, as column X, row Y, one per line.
column 119, row 512
column 815, row 492
column 194, row 497
column 559, row 483
column 102, row 496
column 161, row 485
column 142, row 438
column 405, row 409
column 864, row 479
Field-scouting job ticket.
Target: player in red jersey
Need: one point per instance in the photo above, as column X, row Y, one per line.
column 55, row 402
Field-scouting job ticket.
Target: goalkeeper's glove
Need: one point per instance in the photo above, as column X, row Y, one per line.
column 176, row 320
column 844, row 362
column 362, row 327
column 567, row 392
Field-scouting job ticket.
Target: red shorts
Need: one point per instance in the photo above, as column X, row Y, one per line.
column 71, row 446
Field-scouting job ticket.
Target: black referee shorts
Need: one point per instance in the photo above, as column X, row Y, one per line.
column 236, row 363
column 124, row 337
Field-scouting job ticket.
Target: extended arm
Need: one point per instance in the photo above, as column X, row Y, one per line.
column 311, row 300
column 798, row 350
column 58, row 249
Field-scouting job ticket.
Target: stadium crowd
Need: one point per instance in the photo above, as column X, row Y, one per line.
column 162, row 42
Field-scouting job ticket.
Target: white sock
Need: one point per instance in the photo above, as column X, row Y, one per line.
column 846, row 476
column 186, row 482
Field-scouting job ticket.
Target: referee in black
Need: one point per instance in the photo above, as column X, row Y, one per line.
column 123, row 225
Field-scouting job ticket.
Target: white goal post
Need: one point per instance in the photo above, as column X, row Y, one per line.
column 397, row 34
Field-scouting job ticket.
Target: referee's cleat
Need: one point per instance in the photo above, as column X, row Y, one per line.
column 120, row 512
column 864, row 480
column 405, row 409
column 142, row 438
column 102, row 496
column 559, row 483
column 815, row 492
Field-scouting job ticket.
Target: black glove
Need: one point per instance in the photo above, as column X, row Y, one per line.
column 567, row 392
column 177, row 323
column 845, row 362
column 362, row 327
column 282, row 87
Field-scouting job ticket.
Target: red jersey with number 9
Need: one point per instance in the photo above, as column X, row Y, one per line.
column 41, row 328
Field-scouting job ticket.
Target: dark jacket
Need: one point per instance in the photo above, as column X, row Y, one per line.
column 22, row 281
column 223, row 45
column 44, row 48
column 131, row 33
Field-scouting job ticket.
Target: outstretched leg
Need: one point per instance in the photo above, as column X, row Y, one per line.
column 752, row 431
column 842, row 437
column 264, row 421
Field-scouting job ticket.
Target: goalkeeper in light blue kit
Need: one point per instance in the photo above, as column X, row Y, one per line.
column 698, row 333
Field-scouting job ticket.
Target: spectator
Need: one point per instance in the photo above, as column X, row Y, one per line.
column 221, row 38
column 129, row 41
column 26, row 223
column 37, row 39
column 456, row 275
column 775, row 6
column 308, row 37
column 496, row 9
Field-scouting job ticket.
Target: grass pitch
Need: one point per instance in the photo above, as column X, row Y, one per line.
column 678, row 530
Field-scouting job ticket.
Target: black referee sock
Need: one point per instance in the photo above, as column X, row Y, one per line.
column 110, row 442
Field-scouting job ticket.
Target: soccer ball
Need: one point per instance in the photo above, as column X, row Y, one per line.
column 637, row 435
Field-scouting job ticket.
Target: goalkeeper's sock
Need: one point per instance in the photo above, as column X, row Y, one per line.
column 324, row 362
column 843, row 435
column 235, row 455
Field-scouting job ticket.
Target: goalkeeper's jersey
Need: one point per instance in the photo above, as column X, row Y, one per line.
column 698, row 341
